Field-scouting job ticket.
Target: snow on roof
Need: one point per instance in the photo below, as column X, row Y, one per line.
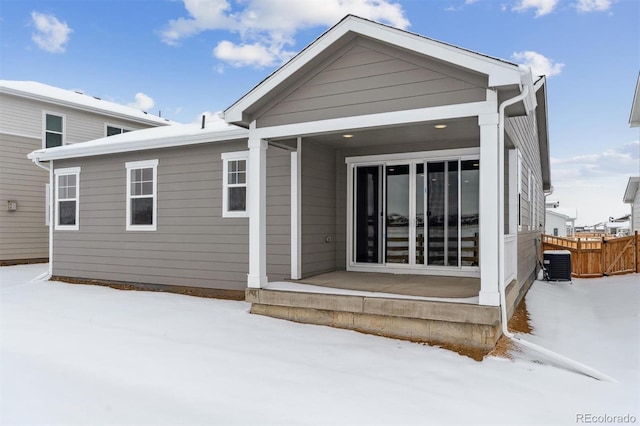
column 570, row 212
column 152, row 138
column 69, row 98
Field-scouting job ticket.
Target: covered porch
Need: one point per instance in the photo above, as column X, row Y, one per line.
column 400, row 220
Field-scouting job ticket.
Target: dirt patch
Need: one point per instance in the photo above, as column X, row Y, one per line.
column 186, row 290
column 476, row 354
column 519, row 323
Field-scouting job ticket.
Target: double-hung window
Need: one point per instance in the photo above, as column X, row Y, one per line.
column 53, row 125
column 115, row 130
column 142, row 199
column 234, row 184
column 67, row 197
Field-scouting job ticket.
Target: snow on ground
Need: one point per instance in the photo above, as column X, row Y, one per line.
column 80, row 354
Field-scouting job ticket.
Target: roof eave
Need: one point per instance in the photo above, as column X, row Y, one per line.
column 103, row 111
column 634, row 117
column 500, row 73
column 543, row 131
column 631, row 190
column 85, row 150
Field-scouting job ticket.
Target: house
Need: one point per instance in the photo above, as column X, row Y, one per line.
column 555, row 223
column 33, row 116
column 560, row 221
column 632, row 197
column 380, row 181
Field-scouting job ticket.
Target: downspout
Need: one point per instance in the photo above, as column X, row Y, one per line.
column 51, row 220
column 568, row 362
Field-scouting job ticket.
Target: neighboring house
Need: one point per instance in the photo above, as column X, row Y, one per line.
column 632, row 197
column 555, row 214
column 33, row 116
column 373, row 152
column 555, row 223
column 632, row 192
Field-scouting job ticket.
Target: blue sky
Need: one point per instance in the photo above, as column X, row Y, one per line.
column 190, row 57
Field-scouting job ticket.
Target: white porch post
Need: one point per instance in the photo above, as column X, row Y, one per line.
column 257, row 203
column 296, row 212
column 489, row 209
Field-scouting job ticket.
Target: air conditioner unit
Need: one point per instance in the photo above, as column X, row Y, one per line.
column 558, row 265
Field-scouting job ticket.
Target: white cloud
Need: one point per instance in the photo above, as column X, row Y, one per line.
column 593, row 5
column 539, row 64
column 142, row 102
column 51, row 34
column 594, row 183
column 267, row 28
column 622, row 160
column 255, row 54
column 542, row 7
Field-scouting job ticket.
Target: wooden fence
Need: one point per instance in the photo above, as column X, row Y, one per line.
column 597, row 257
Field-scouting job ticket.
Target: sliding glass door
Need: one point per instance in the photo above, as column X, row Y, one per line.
column 419, row 213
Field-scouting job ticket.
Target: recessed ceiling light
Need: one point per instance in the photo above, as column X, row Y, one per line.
column 440, row 126
column 347, row 136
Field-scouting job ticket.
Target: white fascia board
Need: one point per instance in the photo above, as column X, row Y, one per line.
column 376, row 120
column 634, row 117
column 499, row 73
column 87, row 149
column 631, row 190
column 158, row 121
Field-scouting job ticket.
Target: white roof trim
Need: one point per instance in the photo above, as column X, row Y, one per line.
column 634, row 118
column 153, row 138
column 632, row 189
column 70, row 99
column 500, row 73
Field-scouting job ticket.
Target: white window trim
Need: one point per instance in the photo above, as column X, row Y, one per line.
column 66, row 172
column 44, row 127
column 233, row 156
column 131, row 165
column 119, row 126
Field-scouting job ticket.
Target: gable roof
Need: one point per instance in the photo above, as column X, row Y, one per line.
column 151, row 138
column 634, row 118
column 499, row 72
column 68, row 98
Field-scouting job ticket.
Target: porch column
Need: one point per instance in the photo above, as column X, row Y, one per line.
column 296, row 211
column 489, row 209
column 257, row 203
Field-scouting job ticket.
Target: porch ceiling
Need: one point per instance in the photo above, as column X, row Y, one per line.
column 457, row 129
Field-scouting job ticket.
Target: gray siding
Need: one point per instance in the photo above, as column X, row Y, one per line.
column 278, row 214
column 318, row 209
column 522, row 131
column 23, row 233
column 193, row 245
column 24, row 117
column 370, row 77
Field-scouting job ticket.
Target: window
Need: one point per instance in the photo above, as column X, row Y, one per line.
column 234, row 184
column 115, row 130
column 53, row 130
column 531, row 190
column 142, row 202
column 67, row 198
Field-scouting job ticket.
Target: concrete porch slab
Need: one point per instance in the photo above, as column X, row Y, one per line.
column 411, row 285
